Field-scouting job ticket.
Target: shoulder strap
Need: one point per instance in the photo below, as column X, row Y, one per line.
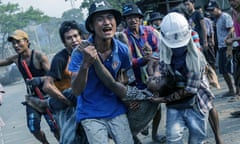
column 21, row 68
column 137, row 49
column 31, row 59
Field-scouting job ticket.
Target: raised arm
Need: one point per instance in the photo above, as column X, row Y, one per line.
column 79, row 79
column 50, row 88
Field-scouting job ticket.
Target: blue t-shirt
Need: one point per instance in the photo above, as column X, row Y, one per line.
column 223, row 25
column 97, row 101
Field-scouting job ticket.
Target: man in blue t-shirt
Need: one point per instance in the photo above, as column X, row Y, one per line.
column 99, row 110
column 225, row 30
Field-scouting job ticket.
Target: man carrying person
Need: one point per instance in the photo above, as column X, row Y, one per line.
column 99, row 110
column 39, row 65
column 138, row 36
column 189, row 99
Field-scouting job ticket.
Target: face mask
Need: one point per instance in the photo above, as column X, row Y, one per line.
column 179, row 52
column 179, row 57
column 156, row 27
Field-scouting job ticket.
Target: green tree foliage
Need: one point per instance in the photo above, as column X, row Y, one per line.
column 13, row 17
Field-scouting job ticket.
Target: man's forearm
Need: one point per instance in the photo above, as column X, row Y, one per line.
column 106, row 77
column 79, row 81
column 236, row 39
column 178, row 95
column 53, row 91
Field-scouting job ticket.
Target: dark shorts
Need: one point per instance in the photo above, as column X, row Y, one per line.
column 34, row 120
column 225, row 64
column 55, row 104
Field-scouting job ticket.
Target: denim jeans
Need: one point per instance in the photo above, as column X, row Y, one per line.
column 34, row 120
column 179, row 120
column 97, row 130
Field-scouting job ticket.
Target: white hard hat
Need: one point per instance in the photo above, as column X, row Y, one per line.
column 175, row 30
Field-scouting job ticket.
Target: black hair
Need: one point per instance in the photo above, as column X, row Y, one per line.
column 67, row 26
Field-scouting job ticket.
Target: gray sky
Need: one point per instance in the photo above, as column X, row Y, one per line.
column 53, row 8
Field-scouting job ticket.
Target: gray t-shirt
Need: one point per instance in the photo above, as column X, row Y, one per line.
column 224, row 22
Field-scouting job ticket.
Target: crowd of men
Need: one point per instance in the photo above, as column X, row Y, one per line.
column 111, row 79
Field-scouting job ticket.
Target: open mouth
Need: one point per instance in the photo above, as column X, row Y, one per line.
column 107, row 29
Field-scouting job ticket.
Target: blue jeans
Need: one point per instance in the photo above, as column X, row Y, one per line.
column 179, row 120
column 34, row 120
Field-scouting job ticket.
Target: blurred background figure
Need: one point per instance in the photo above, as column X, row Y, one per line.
column 155, row 20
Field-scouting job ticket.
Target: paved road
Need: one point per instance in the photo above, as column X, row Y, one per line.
column 16, row 132
column 13, row 114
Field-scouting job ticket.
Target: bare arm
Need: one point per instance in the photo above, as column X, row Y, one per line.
column 50, row 88
column 213, row 39
column 79, row 79
column 104, row 75
column 204, row 33
column 8, row 61
column 230, row 37
column 230, row 33
column 125, row 93
column 236, row 39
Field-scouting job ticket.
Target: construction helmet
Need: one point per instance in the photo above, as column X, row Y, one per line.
column 175, row 30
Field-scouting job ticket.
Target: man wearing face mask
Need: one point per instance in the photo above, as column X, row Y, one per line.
column 189, row 103
column 155, row 20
